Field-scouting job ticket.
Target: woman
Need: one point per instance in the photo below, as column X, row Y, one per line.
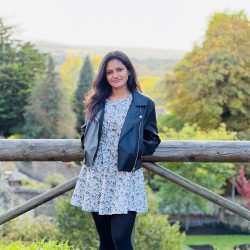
column 120, row 127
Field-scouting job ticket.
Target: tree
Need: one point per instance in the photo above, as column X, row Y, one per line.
column 242, row 185
column 83, row 87
column 70, row 72
column 178, row 201
column 20, row 65
column 48, row 112
column 211, row 84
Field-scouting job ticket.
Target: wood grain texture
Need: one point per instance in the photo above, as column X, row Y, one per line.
column 168, row 151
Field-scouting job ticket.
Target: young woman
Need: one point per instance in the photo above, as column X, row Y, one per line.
column 120, row 127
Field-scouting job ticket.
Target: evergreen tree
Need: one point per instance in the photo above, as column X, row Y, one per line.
column 20, row 65
column 84, row 85
column 49, row 113
column 42, row 113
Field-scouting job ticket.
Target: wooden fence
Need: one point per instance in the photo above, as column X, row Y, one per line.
column 168, row 151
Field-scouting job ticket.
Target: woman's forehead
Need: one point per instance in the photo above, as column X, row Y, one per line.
column 114, row 63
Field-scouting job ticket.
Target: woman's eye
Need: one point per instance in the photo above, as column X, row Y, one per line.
column 109, row 73
column 119, row 70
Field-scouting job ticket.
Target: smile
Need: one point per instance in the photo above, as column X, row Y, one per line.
column 116, row 81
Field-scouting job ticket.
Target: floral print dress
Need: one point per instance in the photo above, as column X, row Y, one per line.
column 103, row 188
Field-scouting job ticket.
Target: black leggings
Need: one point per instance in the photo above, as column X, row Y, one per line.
column 115, row 230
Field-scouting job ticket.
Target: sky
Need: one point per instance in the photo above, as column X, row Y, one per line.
column 158, row 24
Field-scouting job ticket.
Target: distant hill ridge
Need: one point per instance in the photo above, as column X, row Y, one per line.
column 139, row 53
column 148, row 62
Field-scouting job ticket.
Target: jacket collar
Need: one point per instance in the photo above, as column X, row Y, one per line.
column 138, row 99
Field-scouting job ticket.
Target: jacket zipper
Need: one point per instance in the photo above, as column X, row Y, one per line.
column 138, row 143
column 97, row 142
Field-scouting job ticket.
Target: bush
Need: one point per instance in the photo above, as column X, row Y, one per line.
column 29, row 229
column 39, row 245
column 76, row 225
column 153, row 231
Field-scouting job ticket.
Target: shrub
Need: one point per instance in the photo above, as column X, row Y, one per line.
column 28, row 229
column 38, row 245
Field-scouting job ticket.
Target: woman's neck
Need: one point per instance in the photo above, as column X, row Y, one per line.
column 119, row 94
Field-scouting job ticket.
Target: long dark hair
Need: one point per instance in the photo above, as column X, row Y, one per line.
column 101, row 89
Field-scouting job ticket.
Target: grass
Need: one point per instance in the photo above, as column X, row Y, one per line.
column 219, row 242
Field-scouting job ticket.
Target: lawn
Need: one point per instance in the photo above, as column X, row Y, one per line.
column 220, row 242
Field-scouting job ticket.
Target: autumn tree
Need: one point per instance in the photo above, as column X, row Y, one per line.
column 211, row 84
column 69, row 72
column 242, row 185
column 83, row 87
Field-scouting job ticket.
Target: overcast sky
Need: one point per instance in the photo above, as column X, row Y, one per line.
column 167, row 24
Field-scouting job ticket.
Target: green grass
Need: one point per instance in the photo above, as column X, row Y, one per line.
column 220, row 242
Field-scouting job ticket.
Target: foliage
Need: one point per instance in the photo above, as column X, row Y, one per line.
column 169, row 121
column 47, row 115
column 29, row 229
column 176, row 200
column 55, row 179
column 95, row 61
column 6, row 197
column 69, row 73
column 210, row 84
column 43, row 245
column 153, row 231
column 76, row 225
column 153, row 87
column 83, row 87
column 242, row 185
column 20, row 64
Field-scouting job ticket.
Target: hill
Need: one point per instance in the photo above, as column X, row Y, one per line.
column 150, row 62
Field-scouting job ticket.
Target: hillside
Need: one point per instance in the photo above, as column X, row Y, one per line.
column 149, row 62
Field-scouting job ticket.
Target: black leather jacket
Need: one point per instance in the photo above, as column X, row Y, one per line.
column 139, row 134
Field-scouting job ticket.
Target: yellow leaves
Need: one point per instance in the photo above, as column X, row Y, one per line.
column 193, row 132
column 95, row 61
column 69, row 73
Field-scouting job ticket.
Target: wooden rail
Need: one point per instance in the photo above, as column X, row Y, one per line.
column 167, row 174
column 168, row 151
column 185, row 151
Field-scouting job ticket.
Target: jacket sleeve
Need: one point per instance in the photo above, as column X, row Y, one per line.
column 83, row 131
column 151, row 139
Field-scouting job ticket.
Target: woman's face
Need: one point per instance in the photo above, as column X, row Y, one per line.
column 117, row 74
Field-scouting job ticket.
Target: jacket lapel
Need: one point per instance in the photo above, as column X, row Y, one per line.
column 134, row 114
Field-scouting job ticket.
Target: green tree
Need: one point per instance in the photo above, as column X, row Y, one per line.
column 211, row 84
column 48, row 113
column 213, row 176
column 83, row 87
column 20, row 65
